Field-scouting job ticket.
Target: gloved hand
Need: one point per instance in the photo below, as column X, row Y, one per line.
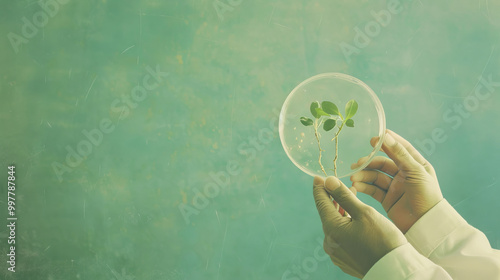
column 353, row 243
column 408, row 189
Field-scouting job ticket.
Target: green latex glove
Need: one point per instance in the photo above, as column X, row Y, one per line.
column 408, row 189
column 357, row 242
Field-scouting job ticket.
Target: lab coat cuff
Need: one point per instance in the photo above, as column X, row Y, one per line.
column 433, row 227
column 399, row 263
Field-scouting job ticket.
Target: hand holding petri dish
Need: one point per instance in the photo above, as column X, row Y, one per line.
column 326, row 124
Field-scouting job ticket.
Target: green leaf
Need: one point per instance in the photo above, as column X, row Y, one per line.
column 330, row 108
column 306, row 121
column 351, row 108
column 313, row 108
column 329, row 124
column 320, row 112
column 349, row 123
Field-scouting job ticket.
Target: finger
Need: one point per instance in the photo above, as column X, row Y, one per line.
column 413, row 152
column 372, row 177
column 398, row 153
column 340, row 209
column 370, row 190
column 318, row 181
column 375, row 141
column 345, row 198
column 326, row 208
column 354, row 191
column 383, row 164
column 409, row 147
column 360, row 162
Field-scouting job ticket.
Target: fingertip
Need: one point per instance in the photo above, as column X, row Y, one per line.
column 374, row 141
column 318, row 181
column 354, row 166
column 389, row 140
column 357, row 186
column 356, row 177
column 332, row 183
column 360, row 162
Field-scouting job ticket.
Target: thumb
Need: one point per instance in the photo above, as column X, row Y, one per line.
column 344, row 197
column 326, row 208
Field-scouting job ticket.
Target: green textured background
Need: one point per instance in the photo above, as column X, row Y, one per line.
column 116, row 214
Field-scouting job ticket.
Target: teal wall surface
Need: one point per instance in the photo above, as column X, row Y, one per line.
column 121, row 115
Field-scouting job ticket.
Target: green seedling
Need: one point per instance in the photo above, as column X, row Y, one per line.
column 328, row 114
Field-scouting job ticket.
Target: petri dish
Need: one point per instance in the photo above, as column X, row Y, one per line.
column 303, row 134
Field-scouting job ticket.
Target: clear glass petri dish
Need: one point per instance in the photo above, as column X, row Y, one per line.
column 345, row 143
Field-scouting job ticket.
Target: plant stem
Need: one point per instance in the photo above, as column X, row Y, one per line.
column 336, row 156
column 319, row 146
column 336, row 138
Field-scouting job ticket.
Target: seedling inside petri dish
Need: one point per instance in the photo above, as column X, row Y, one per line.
column 328, row 114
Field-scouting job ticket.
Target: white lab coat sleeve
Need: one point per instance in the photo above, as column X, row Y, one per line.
column 443, row 236
column 405, row 263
